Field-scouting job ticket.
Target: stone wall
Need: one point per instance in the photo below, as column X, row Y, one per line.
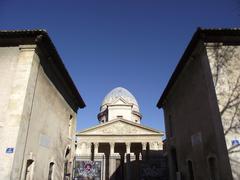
column 8, row 66
column 35, row 118
column 193, row 125
column 225, row 67
column 48, row 136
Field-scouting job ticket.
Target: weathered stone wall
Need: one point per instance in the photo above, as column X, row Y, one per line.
column 48, row 136
column 225, row 67
column 18, row 111
column 8, row 62
column 8, row 66
column 193, row 123
column 34, row 117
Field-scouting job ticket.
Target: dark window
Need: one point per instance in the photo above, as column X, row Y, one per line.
column 213, row 168
column 29, row 169
column 66, row 164
column 119, row 116
column 190, row 170
column 70, row 126
column 50, row 172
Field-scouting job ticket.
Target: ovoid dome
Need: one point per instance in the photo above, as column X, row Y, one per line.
column 117, row 93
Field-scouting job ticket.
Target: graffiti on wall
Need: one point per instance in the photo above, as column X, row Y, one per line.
column 154, row 170
column 87, row 170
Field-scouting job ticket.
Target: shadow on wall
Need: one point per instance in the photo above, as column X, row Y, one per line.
column 151, row 166
column 118, row 165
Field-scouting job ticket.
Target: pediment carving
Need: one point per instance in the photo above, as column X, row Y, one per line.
column 119, row 128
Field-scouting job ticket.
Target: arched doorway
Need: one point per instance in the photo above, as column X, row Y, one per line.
column 29, row 169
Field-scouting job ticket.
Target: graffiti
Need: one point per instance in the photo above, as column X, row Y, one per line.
column 87, row 170
column 153, row 170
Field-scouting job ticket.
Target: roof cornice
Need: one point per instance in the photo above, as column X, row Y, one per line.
column 226, row 36
column 46, row 48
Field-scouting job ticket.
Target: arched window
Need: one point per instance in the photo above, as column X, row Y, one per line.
column 213, row 168
column 29, row 169
column 190, row 170
column 50, row 172
column 70, row 126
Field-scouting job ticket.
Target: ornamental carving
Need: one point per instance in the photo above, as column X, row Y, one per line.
column 121, row 128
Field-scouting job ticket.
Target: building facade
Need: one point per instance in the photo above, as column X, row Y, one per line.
column 38, row 108
column 119, row 144
column 201, row 108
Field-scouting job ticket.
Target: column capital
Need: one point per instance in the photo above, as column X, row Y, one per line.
column 128, row 146
column 112, row 145
column 128, row 143
column 144, row 145
column 96, row 144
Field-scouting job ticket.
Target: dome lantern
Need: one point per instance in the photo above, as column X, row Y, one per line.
column 119, row 103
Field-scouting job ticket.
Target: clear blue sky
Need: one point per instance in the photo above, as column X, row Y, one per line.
column 131, row 43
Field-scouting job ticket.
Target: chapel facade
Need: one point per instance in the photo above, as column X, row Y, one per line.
column 118, row 145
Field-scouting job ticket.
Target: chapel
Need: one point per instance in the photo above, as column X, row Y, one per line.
column 115, row 148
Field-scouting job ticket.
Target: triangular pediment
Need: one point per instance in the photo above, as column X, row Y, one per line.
column 120, row 127
column 120, row 101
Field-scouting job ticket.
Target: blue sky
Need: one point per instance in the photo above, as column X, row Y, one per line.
column 135, row 44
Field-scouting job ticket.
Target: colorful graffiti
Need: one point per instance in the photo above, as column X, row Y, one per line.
column 87, row 170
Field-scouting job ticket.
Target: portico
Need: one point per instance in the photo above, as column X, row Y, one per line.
column 124, row 142
column 119, row 142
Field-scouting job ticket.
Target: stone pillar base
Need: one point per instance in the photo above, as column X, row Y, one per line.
column 128, row 158
column 112, row 164
column 98, row 156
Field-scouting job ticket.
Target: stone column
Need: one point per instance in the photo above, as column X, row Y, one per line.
column 96, row 144
column 144, row 146
column 112, row 145
column 127, row 159
column 144, row 150
column 112, row 161
column 97, row 156
column 128, row 152
column 84, row 150
column 128, row 146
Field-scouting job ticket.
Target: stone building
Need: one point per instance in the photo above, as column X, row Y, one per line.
column 201, row 106
column 119, row 143
column 38, row 105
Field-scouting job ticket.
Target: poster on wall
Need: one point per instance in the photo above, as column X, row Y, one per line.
column 87, row 170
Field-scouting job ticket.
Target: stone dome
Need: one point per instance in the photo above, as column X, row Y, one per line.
column 115, row 94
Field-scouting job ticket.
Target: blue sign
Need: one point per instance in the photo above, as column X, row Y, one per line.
column 9, row 150
column 235, row 142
